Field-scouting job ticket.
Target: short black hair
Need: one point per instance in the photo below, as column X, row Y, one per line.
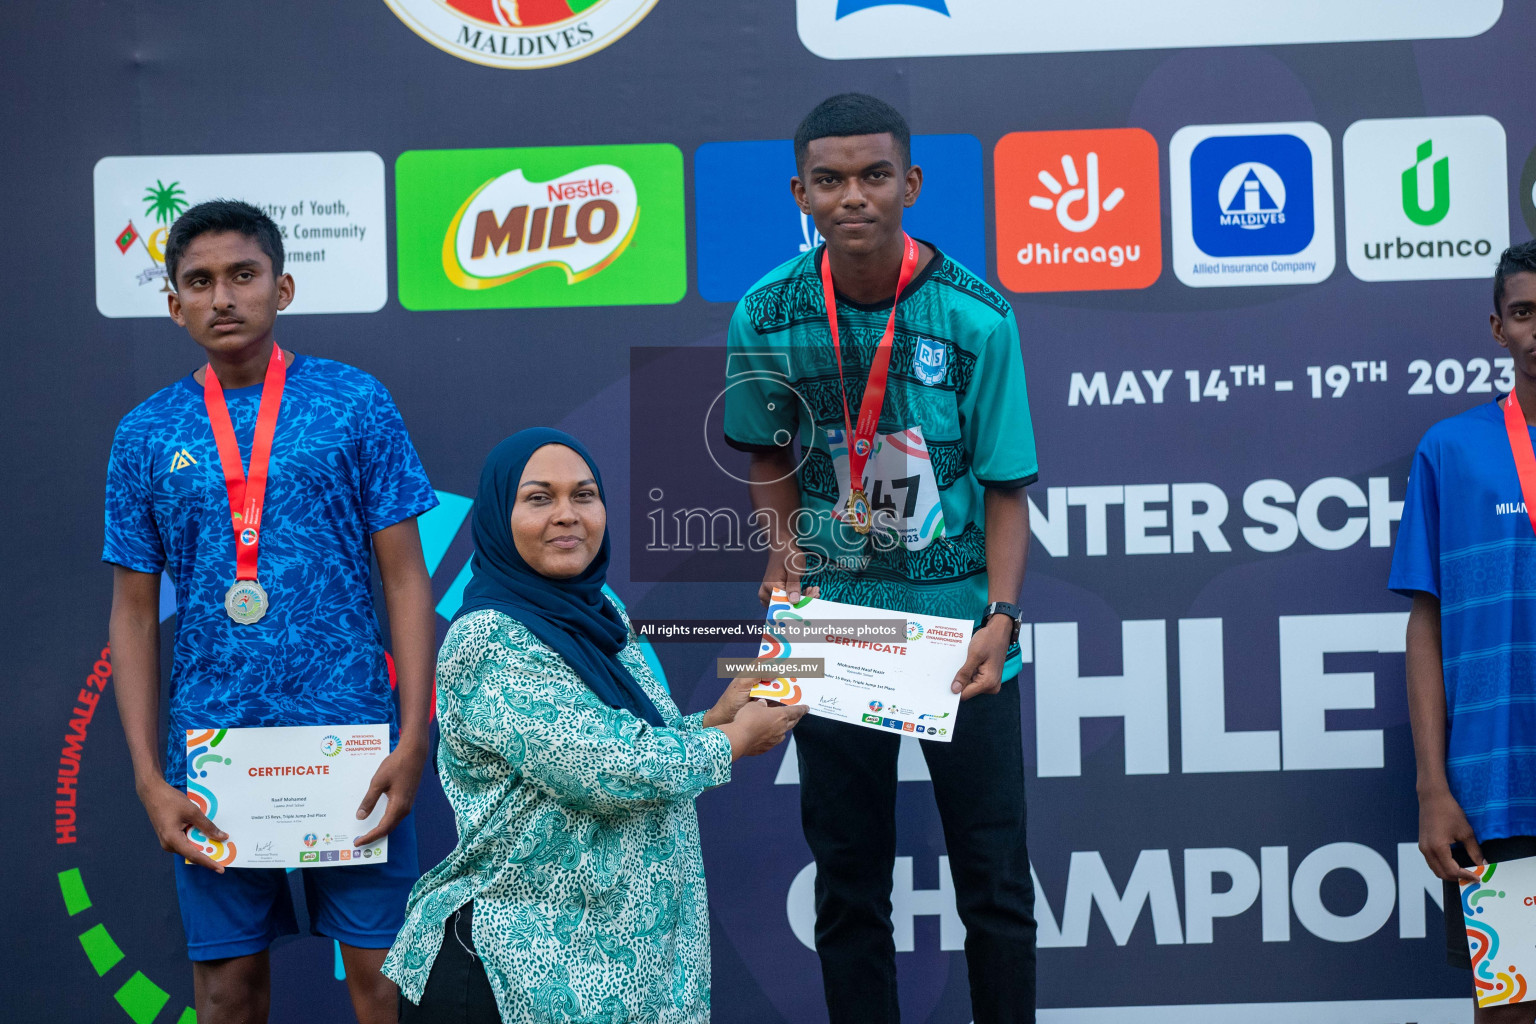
column 223, row 215
column 853, row 113
column 1517, row 259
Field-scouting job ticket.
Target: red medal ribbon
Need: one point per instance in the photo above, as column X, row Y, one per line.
column 861, row 444
column 1525, row 458
column 246, row 493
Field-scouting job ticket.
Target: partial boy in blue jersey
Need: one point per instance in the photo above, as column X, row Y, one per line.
column 1466, row 555
column 275, row 623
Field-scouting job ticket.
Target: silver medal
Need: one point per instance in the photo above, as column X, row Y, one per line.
column 246, row 602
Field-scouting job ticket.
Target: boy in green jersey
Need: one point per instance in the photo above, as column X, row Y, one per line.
column 944, row 473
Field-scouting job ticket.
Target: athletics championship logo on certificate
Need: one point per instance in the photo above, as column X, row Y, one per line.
column 521, row 33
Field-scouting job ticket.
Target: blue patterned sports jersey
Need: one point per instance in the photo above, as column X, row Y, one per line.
column 1465, row 538
column 342, row 468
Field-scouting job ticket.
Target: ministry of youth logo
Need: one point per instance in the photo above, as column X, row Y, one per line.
column 521, row 33
column 510, row 226
column 162, row 204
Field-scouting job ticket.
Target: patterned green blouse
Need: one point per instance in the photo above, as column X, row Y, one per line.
column 578, row 841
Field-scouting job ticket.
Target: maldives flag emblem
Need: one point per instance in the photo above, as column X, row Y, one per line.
column 521, row 33
column 127, row 238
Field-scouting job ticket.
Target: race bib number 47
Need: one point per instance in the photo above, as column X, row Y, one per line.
column 899, row 481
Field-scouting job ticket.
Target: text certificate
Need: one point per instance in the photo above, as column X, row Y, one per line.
column 899, row 686
column 287, row 795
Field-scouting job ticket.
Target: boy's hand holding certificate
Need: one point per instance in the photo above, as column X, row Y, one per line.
column 287, row 796
column 898, row 685
column 1500, row 910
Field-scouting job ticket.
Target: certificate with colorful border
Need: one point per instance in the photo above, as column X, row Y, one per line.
column 1500, row 908
column 900, row 687
column 287, row 795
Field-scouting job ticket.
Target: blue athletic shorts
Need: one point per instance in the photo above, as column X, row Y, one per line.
column 241, row 911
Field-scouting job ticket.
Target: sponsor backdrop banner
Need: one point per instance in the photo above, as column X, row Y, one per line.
column 1248, row 245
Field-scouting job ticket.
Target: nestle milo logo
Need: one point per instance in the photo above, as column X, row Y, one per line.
column 511, row 226
column 541, row 226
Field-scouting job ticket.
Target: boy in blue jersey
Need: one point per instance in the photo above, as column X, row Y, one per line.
column 949, row 453
column 294, row 640
column 1466, row 555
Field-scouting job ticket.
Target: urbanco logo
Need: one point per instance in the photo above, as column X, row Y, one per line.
column 1425, row 198
column 1439, row 189
column 550, row 226
column 1078, row 210
column 521, row 33
column 1252, row 204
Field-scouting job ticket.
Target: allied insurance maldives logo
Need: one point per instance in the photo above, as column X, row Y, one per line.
column 521, row 33
column 551, row 226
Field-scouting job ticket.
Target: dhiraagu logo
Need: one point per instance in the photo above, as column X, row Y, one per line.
column 552, row 226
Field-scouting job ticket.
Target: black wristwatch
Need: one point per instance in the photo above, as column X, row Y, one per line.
column 1013, row 611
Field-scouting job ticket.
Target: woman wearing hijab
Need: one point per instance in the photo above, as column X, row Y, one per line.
column 576, row 890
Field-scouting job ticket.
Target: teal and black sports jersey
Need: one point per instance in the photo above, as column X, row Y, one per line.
column 955, row 420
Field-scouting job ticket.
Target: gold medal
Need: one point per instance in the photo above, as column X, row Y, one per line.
column 857, row 512
column 860, row 443
column 246, row 602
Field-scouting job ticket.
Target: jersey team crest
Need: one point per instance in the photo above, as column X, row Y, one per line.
column 929, row 361
column 521, row 33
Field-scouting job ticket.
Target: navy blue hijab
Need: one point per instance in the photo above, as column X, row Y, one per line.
column 572, row 616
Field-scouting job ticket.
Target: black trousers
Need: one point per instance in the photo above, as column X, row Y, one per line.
column 457, row 991
column 848, row 808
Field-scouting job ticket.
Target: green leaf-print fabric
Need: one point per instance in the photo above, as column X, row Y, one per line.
column 578, row 841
